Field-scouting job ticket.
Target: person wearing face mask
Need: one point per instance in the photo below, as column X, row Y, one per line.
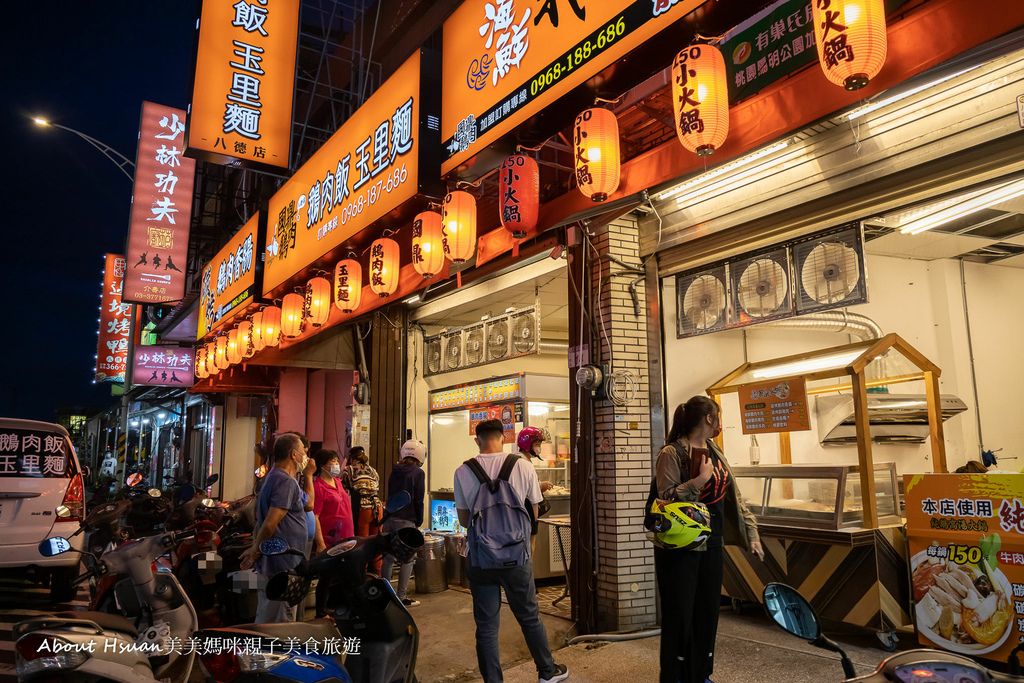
column 280, row 513
column 691, row 468
column 333, row 512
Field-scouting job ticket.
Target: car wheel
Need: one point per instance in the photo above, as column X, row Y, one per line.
column 61, row 589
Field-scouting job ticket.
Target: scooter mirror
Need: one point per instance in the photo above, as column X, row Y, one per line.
column 209, row 503
column 791, row 611
column 63, row 511
column 133, row 479
column 54, row 546
column 154, row 493
column 397, row 501
column 212, row 479
column 274, row 546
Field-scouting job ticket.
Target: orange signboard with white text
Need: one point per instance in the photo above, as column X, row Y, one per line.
column 776, row 406
column 505, row 61
column 114, row 324
column 244, row 82
column 230, row 280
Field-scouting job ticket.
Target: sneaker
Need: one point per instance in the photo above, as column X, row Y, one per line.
column 560, row 673
column 412, row 603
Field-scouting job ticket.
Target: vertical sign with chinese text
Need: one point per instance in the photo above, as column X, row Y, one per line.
column 244, row 82
column 115, row 323
column 229, row 280
column 776, row 406
column 161, row 209
column 163, row 366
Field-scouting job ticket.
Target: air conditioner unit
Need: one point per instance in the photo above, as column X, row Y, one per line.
column 830, row 270
column 760, row 288
column 702, row 302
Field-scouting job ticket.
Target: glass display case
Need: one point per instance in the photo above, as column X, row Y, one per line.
column 816, row 496
column 553, row 465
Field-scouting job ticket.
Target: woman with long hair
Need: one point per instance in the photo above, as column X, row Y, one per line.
column 691, row 468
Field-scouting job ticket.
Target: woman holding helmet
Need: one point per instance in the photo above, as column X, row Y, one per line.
column 695, row 510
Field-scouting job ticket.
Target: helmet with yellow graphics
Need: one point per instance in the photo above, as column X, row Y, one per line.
column 681, row 525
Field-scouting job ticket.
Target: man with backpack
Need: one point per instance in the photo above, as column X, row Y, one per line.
column 490, row 491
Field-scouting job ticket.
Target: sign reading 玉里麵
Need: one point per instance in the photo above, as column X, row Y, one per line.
column 776, row 406
column 230, row 280
column 114, row 324
column 30, row 453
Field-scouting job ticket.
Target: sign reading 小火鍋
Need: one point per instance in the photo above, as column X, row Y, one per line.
column 115, row 324
column 229, row 280
column 384, row 154
column 163, row 366
column 966, row 539
column 28, row 453
column 505, row 60
column 776, row 406
column 244, row 82
column 161, row 209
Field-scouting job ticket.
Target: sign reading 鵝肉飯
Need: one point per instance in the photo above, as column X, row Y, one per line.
column 230, row 279
column 28, row 453
column 161, row 209
column 383, row 155
column 163, row 366
column 244, row 82
column 115, row 324
column 505, row 60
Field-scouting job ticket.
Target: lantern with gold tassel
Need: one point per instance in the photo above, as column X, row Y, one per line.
column 384, row 264
column 271, row 332
column 222, row 352
column 318, row 301
column 458, row 226
column 348, row 285
column 427, row 252
column 519, row 194
column 234, row 352
column 292, row 306
column 257, row 332
column 596, row 139
column 246, row 348
column 200, row 362
column 700, row 99
column 211, row 359
column 851, row 40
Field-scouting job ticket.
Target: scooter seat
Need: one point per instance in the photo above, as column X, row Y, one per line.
column 107, row 622
column 317, row 629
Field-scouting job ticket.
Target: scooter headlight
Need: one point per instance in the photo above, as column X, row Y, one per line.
column 37, row 652
column 260, row 661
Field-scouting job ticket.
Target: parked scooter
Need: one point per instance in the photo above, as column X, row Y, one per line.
column 143, row 645
column 369, row 616
column 795, row 615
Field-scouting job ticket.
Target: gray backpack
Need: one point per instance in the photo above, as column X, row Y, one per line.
column 499, row 528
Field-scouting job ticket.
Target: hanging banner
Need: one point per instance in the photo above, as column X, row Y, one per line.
column 161, row 209
column 229, row 280
column 505, row 60
column 386, row 153
column 776, row 406
column 163, row 366
column 115, row 323
column 966, row 538
column 244, row 83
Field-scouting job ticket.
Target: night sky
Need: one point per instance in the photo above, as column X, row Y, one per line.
column 88, row 66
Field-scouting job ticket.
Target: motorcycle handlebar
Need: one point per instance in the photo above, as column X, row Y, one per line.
column 81, row 579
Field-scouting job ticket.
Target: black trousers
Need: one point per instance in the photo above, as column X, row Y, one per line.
column 690, row 582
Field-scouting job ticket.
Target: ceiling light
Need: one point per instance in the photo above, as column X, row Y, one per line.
column 867, row 109
column 805, row 366
column 721, row 170
column 412, row 299
column 966, row 208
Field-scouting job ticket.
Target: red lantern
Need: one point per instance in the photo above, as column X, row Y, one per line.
column 348, row 285
column 318, row 301
column 222, row 353
column 851, row 40
column 700, row 99
column 234, row 351
column 458, row 229
column 427, row 250
column 246, row 348
column 519, row 194
column 596, row 138
column 257, row 332
column 384, row 264
column 200, row 362
column 211, row 359
column 271, row 332
column 292, row 306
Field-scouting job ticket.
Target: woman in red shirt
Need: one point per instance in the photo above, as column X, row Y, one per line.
column 333, row 510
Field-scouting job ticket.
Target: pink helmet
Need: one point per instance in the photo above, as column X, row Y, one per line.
column 527, row 436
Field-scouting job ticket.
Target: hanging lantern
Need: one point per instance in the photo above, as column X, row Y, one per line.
column 348, row 285
column 700, row 99
column 458, row 228
column 384, row 264
column 427, row 252
column 851, row 40
column 291, row 314
column 222, row 353
column 234, row 351
column 200, row 362
column 257, row 332
column 211, row 359
column 318, row 301
column 271, row 332
column 596, row 137
column 246, row 348
column 519, row 194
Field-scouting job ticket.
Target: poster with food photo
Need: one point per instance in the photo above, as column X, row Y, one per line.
column 966, row 537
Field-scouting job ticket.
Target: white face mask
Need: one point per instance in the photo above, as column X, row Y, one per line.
column 302, row 465
column 335, row 470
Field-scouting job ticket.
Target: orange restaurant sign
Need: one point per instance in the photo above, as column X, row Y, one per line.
column 115, row 323
column 505, row 61
column 776, row 406
column 384, row 154
column 244, row 82
column 230, row 279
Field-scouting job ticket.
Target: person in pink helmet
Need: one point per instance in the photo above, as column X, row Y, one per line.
column 529, row 441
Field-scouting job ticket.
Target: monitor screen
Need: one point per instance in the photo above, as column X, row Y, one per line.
column 443, row 516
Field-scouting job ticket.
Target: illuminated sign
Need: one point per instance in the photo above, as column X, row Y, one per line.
column 229, row 280
column 385, row 154
column 115, row 323
column 161, row 209
column 244, row 82
column 505, row 60
column 479, row 394
column 163, row 366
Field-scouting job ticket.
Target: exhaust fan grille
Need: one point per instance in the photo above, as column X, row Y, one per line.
column 512, row 334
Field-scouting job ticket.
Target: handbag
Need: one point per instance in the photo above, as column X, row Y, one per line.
column 544, row 507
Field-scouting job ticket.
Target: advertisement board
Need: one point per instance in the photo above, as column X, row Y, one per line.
column 776, row 406
column 244, row 83
column 230, row 279
column 966, row 538
column 163, row 366
column 161, row 209
column 114, row 323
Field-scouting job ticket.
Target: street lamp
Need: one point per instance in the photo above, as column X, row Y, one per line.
column 120, row 160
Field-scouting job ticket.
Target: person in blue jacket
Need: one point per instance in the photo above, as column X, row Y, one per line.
column 407, row 475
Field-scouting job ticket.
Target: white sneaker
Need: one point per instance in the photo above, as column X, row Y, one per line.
column 560, row 673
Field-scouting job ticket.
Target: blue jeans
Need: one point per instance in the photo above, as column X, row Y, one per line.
column 486, row 585
column 393, row 524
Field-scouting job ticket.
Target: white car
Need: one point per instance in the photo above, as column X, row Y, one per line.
column 39, row 472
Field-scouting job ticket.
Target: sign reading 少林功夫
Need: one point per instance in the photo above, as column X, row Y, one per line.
column 244, row 82
column 163, row 366
column 385, row 153
column 28, row 453
column 161, row 209
column 776, row 406
column 229, row 280
column 114, row 324
column 505, row 60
